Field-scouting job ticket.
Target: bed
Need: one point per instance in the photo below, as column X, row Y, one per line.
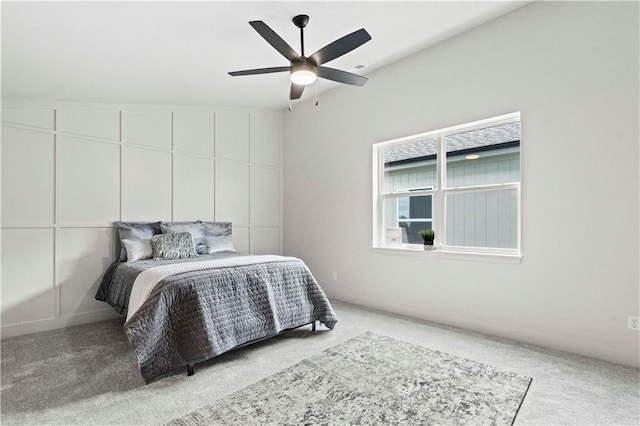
column 187, row 310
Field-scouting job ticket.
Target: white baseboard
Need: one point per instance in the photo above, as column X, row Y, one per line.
column 384, row 306
column 558, row 342
column 31, row 327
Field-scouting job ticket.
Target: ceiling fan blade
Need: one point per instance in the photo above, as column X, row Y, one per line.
column 296, row 91
column 260, row 71
column 341, row 46
column 341, row 76
column 275, row 40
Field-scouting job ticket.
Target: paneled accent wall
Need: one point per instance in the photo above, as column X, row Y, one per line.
column 70, row 170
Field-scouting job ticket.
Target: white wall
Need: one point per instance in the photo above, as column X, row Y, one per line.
column 571, row 69
column 70, row 170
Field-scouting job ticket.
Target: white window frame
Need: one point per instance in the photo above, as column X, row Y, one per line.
column 439, row 194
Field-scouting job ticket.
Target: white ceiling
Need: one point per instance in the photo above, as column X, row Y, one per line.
column 180, row 52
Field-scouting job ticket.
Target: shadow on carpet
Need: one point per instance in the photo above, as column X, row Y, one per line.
column 54, row 368
column 60, row 367
column 373, row 379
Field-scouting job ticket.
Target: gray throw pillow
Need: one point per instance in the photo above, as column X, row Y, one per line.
column 137, row 249
column 218, row 237
column 135, row 231
column 219, row 243
column 214, row 229
column 176, row 245
column 196, row 229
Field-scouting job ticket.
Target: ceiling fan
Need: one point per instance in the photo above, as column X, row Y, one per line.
column 305, row 70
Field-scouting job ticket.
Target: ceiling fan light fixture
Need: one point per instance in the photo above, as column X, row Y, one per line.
column 303, row 74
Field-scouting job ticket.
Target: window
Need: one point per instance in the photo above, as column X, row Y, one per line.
column 463, row 182
column 414, row 214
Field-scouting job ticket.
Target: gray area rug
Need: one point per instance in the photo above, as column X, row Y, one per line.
column 373, row 379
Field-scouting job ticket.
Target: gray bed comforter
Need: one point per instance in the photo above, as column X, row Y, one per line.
column 195, row 316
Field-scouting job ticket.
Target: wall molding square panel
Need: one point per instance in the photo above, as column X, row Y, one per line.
column 89, row 181
column 265, row 196
column 193, row 188
column 265, row 240
column 146, row 184
column 147, row 128
column 84, row 255
column 241, row 239
column 27, row 275
column 97, row 124
column 27, row 177
column 69, row 170
column 232, row 135
column 194, row 132
column 265, row 138
column 232, row 192
column 40, row 118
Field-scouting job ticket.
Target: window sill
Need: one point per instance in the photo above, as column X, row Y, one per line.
column 452, row 255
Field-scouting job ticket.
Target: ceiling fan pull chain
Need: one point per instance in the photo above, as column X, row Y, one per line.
column 316, row 92
column 290, row 108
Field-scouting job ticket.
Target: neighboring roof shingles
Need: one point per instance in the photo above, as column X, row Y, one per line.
column 459, row 142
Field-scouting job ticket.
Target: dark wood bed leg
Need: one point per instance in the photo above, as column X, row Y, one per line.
column 313, row 326
column 190, row 370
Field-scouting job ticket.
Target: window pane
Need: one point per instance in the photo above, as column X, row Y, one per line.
column 415, row 207
column 408, row 215
column 410, row 165
column 485, row 156
column 411, row 231
column 404, row 208
column 482, row 219
column 420, row 207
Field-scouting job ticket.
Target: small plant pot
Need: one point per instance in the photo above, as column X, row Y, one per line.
column 429, row 247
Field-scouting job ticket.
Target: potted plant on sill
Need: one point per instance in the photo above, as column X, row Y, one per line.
column 428, row 236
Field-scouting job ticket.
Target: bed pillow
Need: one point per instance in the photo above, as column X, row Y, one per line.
column 214, row 229
column 175, row 245
column 135, row 231
column 218, row 237
column 219, row 243
column 137, row 249
column 196, row 229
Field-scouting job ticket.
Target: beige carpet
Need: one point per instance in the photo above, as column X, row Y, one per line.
column 87, row 374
